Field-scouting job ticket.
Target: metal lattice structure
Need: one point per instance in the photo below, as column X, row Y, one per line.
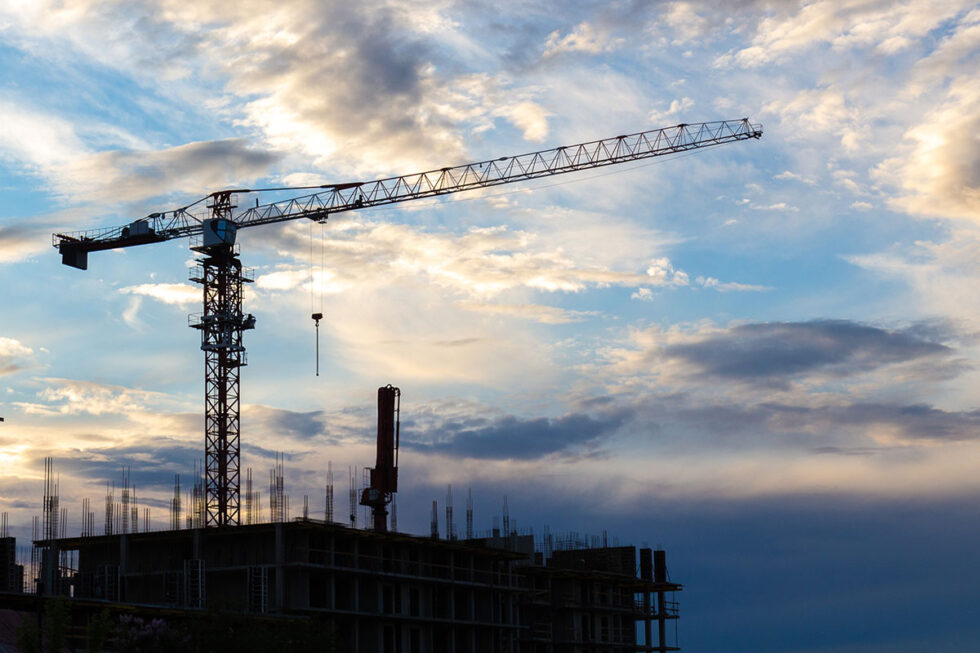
column 222, row 276
column 337, row 198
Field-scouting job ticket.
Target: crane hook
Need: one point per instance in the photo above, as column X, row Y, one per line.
column 316, row 323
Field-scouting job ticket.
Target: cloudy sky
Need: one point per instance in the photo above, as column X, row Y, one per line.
column 762, row 357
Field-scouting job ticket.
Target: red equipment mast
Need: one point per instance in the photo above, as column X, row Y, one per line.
column 384, row 476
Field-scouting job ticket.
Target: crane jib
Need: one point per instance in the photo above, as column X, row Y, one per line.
column 351, row 196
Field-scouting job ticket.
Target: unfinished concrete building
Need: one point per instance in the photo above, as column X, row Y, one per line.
column 387, row 592
column 378, row 591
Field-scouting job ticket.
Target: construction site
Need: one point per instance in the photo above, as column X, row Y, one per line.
column 371, row 588
column 376, row 590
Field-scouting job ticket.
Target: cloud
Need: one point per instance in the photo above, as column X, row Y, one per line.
column 685, row 20
column 774, row 352
column 940, row 177
column 797, row 363
column 129, row 176
column 855, row 24
column 777, row 206
column 826, row 110
column 941, row 274
column 62, row 152
column 15, row 356
column 391, row 105
column 278, row 423
column 73, row 397
column 954, row 57
column 662, row 273
column 676, row 107
column 482, row 262
column 887, row 423
column 387, row 269
column 643, row 294
column 530, row 117
column 151, row 466
column 177, row 294
column 585, row 37
column 835, row 425
column 817, row 424
column 535, row 312
column 510, row 437
column 34, row 139
column 794, row 176
column 22, row 240
column 730, row 286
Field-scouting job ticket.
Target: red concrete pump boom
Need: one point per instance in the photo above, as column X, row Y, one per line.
column 384, row 476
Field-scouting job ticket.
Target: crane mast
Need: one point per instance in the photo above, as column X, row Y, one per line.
column 220, row 272
column 222, row 276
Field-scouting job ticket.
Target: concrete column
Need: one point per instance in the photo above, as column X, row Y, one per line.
column 357, row 583
column 280, row 568
column 123, row 565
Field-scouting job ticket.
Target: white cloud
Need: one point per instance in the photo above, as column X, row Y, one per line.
column 886, row 26
column 586, row 38
column 662, row 273
column 954, row 58
column 534, row 312
column 177, row 294
column 15, row 356
column 73, row 397
column 391, row 106
column 685, row 20
column 730, row 286
column 483, row 262
column 50, row 147
column 531, row 118
column 777, row 206
column 795, row 177
column 38, row 141
column 676, row 107
column 941, row 275
column 940, row 177
column 822, row 110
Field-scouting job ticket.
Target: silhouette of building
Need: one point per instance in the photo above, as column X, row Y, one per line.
column 387, row 592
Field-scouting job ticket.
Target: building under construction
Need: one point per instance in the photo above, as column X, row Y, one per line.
column 380, row 591
column 390, row 592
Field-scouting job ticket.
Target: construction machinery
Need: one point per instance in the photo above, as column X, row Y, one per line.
column 222, row 276
column 384, row 476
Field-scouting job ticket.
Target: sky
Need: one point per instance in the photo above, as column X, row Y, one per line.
column 761, row 357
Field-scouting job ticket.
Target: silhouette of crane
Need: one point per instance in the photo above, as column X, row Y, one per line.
column 221, row 274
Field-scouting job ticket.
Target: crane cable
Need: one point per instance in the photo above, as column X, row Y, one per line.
column 317, row 315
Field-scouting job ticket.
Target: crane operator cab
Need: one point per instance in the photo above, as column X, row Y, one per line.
column 219, row 231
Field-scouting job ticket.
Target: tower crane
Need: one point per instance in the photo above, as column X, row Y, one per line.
column 220, row 272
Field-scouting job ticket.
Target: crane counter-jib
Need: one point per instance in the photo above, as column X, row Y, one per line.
column 337, row 198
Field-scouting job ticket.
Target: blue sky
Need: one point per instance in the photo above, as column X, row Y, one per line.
column 761, row 356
